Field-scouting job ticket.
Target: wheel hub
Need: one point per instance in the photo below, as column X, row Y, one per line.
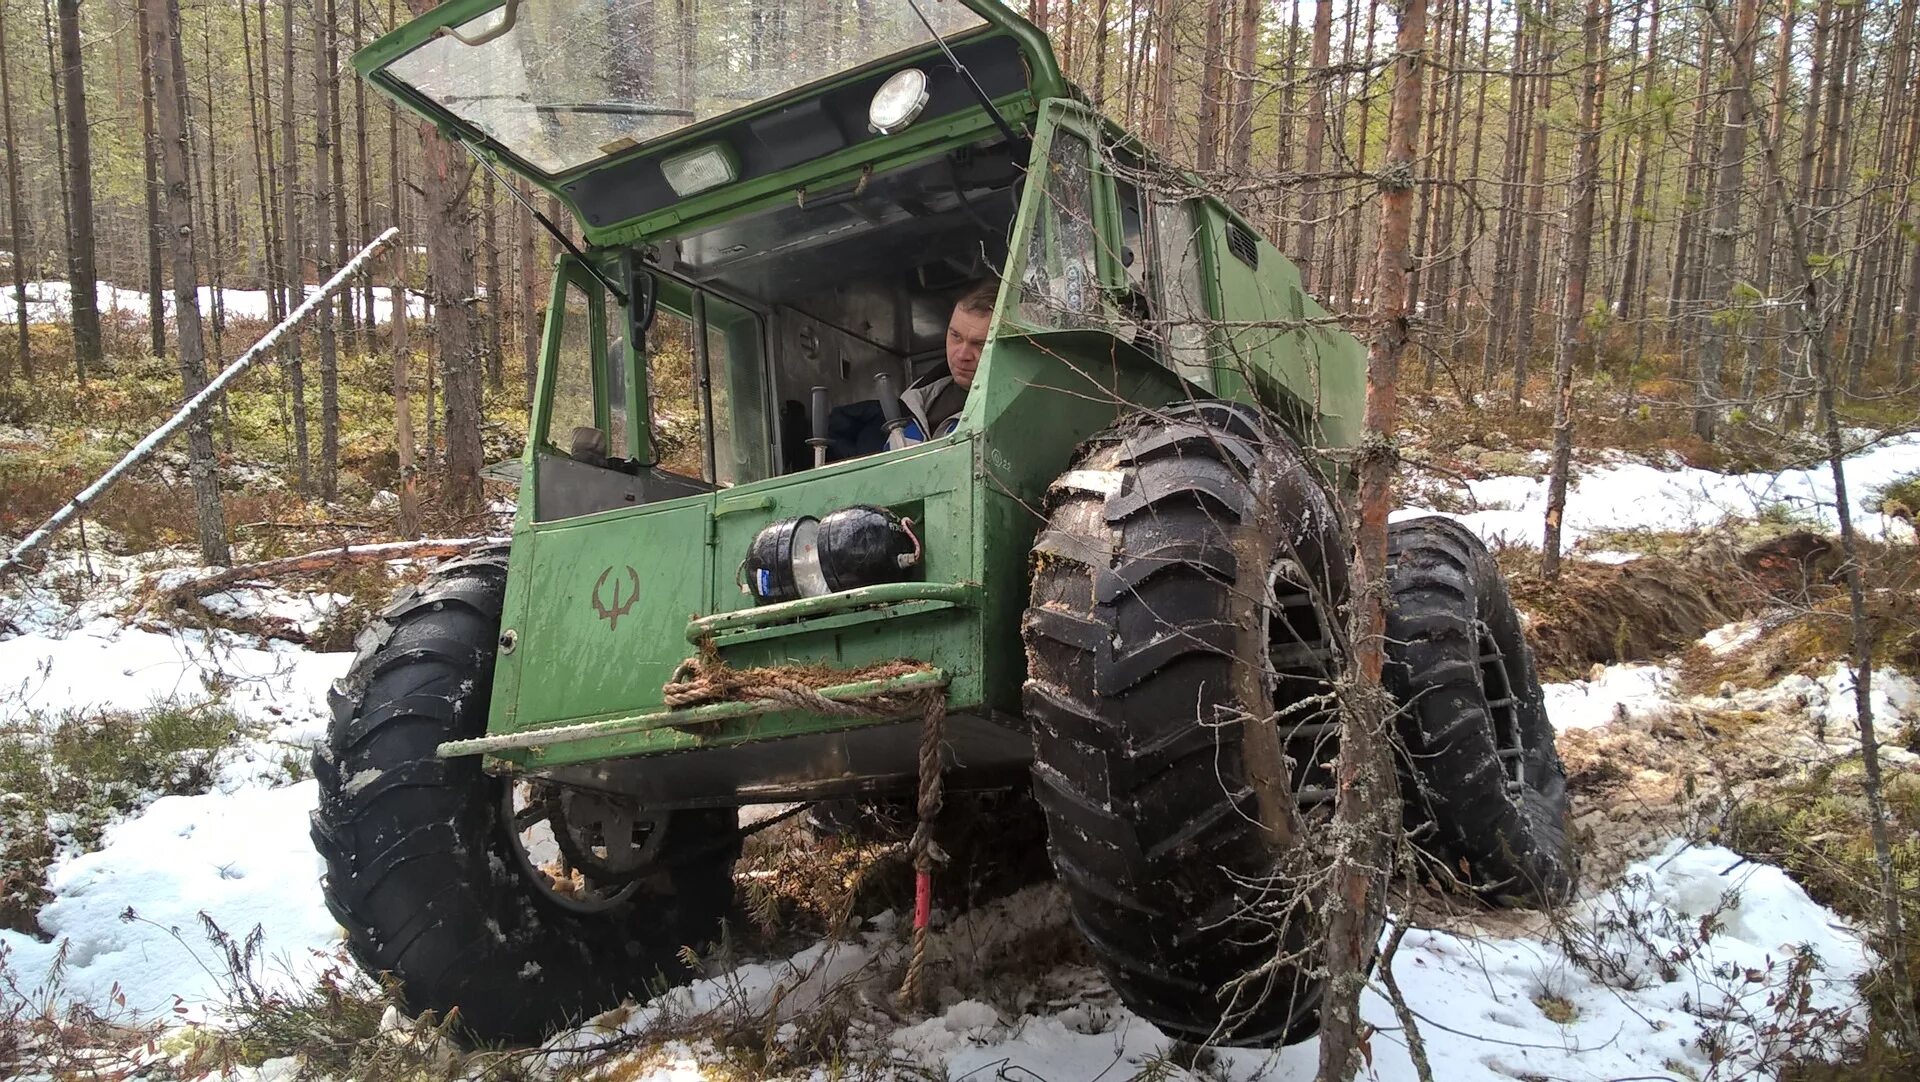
column 585, row 851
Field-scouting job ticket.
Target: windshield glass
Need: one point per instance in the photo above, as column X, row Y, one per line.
column 574, row 81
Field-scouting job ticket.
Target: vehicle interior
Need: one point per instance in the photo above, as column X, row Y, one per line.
column 857, row 282
column 837, row 287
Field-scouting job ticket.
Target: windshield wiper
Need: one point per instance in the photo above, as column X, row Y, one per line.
column 979, row 91
column 558, row 234
column 613, row 108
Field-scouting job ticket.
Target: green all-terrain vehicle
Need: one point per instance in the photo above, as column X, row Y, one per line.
column 1123, row 565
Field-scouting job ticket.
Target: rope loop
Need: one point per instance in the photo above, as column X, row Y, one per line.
column 704, row 678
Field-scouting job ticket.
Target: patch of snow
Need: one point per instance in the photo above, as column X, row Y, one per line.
column 1612, row 693
column 242, row 858
column 1610, row 556
column 1637, row 496
column 52, row 301
column 1730, row 637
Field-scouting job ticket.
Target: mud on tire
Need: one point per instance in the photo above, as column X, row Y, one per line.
column 1479, row 759
column 1184, row 582
column 421, row 867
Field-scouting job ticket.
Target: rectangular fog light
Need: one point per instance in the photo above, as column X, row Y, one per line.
column 701, row 169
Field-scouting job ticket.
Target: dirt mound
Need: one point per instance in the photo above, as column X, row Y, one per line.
column 1635, row 611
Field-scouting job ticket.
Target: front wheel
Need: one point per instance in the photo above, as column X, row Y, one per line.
column 522, row 906
column 1179, row 649
column 1480, row 762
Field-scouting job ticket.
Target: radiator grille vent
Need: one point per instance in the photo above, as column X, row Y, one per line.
column 1241, row 242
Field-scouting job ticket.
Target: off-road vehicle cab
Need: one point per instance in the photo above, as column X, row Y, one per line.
column 1123, row 568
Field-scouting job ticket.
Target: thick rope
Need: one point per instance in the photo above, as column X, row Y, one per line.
column 913, row 988
column 704, row 678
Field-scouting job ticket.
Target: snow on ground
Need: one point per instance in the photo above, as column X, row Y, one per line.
column 49, row 302
column 1634, row 691
column 1619, row 1008
column 238, row 853
column 1626, row 496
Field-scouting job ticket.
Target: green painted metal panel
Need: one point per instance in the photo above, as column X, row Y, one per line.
column 1276, row 331
column 608, row 597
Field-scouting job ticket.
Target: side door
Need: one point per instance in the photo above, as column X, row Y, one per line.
column 608, row 562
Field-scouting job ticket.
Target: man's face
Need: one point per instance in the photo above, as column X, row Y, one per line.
column 966, row 337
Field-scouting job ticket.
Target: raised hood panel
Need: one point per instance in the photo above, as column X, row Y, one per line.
column 561, row 90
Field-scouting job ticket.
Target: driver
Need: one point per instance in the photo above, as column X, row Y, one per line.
column 933, row 402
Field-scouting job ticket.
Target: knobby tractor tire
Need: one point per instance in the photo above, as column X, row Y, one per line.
column 1480, row 763
column 1178, row 634
column 422, row 869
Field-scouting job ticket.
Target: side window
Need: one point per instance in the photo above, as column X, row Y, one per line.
column 577, row 427
column 1060, row 285
column 734, row 392
column 1183, row 297
column 616, row 339
column 570, row 425
column 675, row 400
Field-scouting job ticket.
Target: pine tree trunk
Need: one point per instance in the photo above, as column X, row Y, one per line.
column 1532, row 255
column 1207, row 135
column 402, row 363
column 1764, row 227
column 156, row 303
column 1163, row 53
column 1513, row 173
column 1356, row 281
column 1637, row 213
column 1719, row 326
column 490, row 237
column 78, row 190
column 1678, row 293
column 1283, row 149
column 1874, row 232
column 266, row 168
column 170, row 100
column 1366, row 817
column 524, row 228
column 323, row 210
column 1797, row 372
column 336, row 145
column 80, row 250
column 450, row 244
column 296, row 278
column 16, row 221
column 1312, row 274
column 1241, row 135
column 362, row 174
column 217, row 258
column 1573, row 302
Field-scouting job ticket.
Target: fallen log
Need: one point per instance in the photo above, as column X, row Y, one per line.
column 323, row 560
column 193, row 408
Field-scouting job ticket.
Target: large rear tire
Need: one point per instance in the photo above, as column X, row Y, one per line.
column 1180, row 622
column 1480, row 759
column 424, row 869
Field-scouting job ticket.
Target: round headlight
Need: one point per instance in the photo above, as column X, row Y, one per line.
column 898, row 101
column 783, row 563
column 807, row 557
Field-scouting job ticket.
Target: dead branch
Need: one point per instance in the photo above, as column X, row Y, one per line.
column 322, row 560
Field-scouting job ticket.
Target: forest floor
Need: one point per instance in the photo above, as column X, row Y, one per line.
column 162, row 912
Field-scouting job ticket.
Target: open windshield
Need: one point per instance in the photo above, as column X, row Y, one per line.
column 573, row 81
